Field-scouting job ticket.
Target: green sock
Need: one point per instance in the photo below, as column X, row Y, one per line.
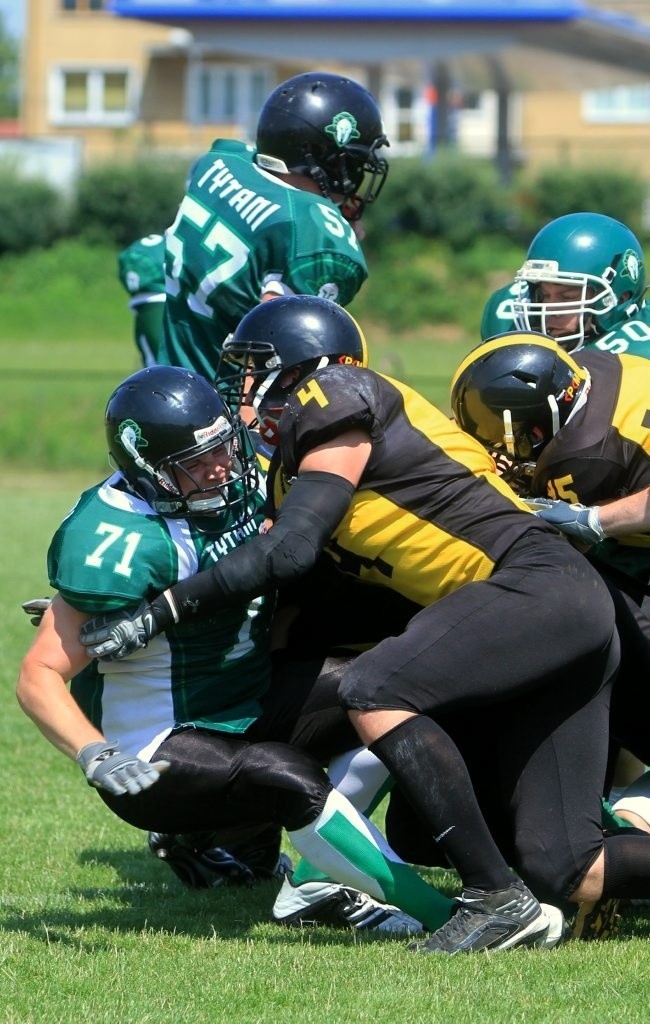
column 349, row 849
column 306, row 872
column 610, row 819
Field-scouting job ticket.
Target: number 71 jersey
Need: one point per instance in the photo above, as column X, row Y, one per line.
column 111, row 552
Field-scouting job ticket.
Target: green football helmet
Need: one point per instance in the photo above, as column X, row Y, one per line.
column 596, row 254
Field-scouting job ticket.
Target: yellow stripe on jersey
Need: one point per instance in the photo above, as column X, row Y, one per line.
column 381, row 543
column 632, row 412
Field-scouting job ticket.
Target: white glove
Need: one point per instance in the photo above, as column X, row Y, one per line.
column 579, row 521
column 106, row 767
column 36, row 608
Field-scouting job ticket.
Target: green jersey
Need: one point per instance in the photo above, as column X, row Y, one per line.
column 236, row 225
column 631, row 335
column 141, row 269
column 112, row 551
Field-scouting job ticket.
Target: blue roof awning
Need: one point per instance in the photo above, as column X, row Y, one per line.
column 429, row 10
column 305, row 31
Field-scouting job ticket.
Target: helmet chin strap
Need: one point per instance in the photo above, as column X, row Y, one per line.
column 555, row 413
column 271, row 378
column 508, row 432
column 508, row 435
column 268, row 381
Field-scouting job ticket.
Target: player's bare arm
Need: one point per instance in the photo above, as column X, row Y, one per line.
column 54, row 657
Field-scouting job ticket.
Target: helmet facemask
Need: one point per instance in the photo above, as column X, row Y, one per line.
column 264, row 383
column 164, row 484
column 355, row 172
column 594, row 298
column 599, row 257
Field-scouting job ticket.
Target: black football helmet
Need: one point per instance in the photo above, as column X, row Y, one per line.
column 514, row 392
column 329, row 128
column 162, row 418
column 299, row 333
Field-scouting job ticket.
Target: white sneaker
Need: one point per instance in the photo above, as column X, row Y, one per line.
column 556, row 927
column 332, row 904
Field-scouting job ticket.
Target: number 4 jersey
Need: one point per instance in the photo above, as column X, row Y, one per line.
column 112, row 551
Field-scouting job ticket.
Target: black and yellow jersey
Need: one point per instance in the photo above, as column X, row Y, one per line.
column 603, row 452
column 430, row 512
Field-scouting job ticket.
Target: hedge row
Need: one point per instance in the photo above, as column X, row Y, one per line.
column 452, row 198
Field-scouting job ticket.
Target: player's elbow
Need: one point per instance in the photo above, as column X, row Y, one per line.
column 293, row 558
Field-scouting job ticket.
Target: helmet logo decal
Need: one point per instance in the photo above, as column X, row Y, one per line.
column 343, row 128
column 130, row 436
column 329, row 291
column 630, row 265
column 220, row 427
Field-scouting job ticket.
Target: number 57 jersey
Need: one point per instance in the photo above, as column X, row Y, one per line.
column 237, row 224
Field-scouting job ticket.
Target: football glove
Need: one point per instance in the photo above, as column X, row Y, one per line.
column 114, row 635
column 106, row 767
column 581, row 522
column 36, row 608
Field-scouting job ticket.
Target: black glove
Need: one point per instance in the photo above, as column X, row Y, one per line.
column 579, row 521
column 36, row 608
column 106, row 767
column 114, row 635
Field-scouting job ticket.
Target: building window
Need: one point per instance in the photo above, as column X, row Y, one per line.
column 621, row 105
column 404, row 109
column 82, row 5
column 99, row 96
column 230, row 95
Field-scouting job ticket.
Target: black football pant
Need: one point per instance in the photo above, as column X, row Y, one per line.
column 235, row 785
column 535, row 647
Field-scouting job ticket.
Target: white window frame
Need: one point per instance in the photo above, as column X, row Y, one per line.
column 416, row 116
column 623, row 104
column 95, row 113
column 247, row 104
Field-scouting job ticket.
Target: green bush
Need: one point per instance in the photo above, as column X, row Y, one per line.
column 32, row 213
column 121, row 202
column 424, row 284
column 450, row 196
column 557, row 190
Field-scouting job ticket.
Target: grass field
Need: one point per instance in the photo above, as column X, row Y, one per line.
column 92, row 928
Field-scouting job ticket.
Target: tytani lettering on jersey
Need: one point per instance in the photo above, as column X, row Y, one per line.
column 251, row 207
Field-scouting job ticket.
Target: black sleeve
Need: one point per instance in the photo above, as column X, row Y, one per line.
column 308, row 516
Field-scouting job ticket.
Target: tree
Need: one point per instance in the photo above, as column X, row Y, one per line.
column 9, row 65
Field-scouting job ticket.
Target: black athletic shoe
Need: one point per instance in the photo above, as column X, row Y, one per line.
column 200, row 864
column 597, row 920
column 490, row 920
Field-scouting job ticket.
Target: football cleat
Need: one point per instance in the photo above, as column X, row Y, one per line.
column 489, row 921
column 329, row 903
column 200, row 865
column 557, row 928
column 597, row 920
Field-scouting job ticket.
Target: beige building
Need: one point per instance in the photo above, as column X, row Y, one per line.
column 118, row 86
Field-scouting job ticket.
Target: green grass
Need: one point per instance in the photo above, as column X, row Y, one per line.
column 92, row 928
